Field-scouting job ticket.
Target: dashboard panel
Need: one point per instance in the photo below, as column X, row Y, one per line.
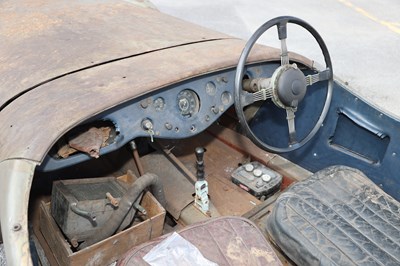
column 177, row 111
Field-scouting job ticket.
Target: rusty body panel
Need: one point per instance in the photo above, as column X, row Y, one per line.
column 42, row 39
column 68, row 101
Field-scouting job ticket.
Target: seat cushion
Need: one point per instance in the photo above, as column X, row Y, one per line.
column 225, row 241
column 337, row 217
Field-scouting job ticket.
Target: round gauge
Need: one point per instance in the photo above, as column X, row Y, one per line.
column 159, row 104
column 211, row 89
column 226, row 98
column 188, row 103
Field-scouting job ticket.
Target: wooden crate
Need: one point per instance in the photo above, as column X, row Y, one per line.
column 107, row 251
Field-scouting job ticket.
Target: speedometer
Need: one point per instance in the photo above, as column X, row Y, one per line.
column 188, row 103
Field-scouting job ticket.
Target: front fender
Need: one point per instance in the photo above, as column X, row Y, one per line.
column 15, row 185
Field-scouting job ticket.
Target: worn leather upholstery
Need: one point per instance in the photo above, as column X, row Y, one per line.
column 337, row 217
column 225, row 241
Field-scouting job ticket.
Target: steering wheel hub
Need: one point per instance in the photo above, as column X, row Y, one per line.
column 289, row 86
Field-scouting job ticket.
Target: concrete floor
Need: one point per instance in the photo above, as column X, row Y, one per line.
column 363, row 37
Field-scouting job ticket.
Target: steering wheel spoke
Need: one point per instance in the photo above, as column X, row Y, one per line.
column 282, row 35
column 248, row 98
column 291, row 126
column 320, row 76
column 263, row 94
column 284, row 53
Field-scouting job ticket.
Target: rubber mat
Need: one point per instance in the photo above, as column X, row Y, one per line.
column 337, row 217
column 224, row 240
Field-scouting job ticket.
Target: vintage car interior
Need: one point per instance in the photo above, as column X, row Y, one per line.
column 253, row 154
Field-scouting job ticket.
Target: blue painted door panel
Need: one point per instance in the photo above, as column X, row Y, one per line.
column 354, row 134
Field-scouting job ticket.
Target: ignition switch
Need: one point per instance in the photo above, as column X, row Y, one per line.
column 147, row 126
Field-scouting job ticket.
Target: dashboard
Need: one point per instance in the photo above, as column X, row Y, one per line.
column 178, row 111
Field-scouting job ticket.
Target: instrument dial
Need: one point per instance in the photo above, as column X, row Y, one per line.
column 188, row 103
column 159, row 104
column 211, row 89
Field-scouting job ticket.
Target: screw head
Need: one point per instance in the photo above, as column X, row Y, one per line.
column 16, row 227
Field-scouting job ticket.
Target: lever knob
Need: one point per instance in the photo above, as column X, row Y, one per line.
column 199, row 151
column 199, row 154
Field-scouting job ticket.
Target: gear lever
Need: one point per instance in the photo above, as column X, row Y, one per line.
column 200, row 163
column 201, row 186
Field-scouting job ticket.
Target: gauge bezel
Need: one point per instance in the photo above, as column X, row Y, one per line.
column 193, row 101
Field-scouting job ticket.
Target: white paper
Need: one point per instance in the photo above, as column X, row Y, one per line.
column 175, row 250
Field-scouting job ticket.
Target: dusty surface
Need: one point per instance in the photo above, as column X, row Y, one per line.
column 47, row 39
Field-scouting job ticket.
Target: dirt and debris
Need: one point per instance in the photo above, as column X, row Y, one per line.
column 89, row 141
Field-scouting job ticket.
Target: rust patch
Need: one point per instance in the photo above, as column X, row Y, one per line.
column 39, row 17
column 30, row 24
column 42, row 40
column 89, row 142
column 65, row 151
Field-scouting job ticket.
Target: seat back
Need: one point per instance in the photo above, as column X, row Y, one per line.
column 337, row 217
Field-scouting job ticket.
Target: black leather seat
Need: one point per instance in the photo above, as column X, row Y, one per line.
column 337, row 217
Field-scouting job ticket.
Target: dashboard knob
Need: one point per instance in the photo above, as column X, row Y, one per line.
column 249, row 167
column 266, row 177
column 257, row 172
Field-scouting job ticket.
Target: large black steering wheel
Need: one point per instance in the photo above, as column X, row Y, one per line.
column 286, row 88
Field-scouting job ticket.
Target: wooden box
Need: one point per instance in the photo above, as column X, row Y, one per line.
column 87, row 194
column 107, row 251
